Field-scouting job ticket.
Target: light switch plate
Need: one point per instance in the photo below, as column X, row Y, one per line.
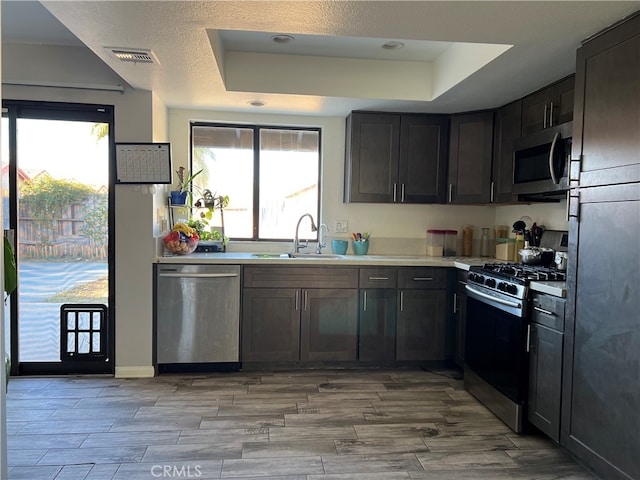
column 342, row 226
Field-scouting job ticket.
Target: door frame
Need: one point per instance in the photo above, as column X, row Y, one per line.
column 73, row 112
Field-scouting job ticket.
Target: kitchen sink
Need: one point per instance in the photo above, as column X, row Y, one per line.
column 326, row 256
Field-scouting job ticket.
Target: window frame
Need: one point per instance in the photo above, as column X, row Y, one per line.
column 257, row 128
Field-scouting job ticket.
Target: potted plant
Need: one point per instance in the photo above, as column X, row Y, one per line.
column 209, row 202
column 183, row 187
column 10, row 284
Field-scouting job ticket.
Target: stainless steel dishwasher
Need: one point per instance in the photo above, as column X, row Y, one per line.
column 197, row 314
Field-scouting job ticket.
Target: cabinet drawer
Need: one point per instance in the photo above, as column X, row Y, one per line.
column 422, row 278
column 383, row 277
column 300, row 277
column 548, row 310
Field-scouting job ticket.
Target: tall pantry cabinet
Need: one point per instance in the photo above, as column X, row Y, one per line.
column 600, row 421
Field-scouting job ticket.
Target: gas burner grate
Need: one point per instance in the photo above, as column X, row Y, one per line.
column 526, row 272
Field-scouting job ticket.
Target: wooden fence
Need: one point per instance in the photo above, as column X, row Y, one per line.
column 65, row 236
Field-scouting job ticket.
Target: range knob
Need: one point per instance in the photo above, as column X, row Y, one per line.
column 511, row 288
column 502, row 286
column 491, row 282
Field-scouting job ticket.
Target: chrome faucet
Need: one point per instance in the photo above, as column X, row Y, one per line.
column 321, row 242
column 296, row 242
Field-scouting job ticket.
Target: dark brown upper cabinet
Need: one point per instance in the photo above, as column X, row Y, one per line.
column 396, row 158
column 470, row 160
column 548, row 107
column 507, row 126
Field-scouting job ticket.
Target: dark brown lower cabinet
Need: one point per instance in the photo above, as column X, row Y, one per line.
column 460, row 316
column 329, row 328
column 270, row 325
column 377, row 331
column 299, row 313
column 545, row 379
column 421, row 318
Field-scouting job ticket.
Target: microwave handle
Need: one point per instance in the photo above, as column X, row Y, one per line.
column 554, row 177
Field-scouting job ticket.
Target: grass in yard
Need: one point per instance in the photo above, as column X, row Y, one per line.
column 90, row 292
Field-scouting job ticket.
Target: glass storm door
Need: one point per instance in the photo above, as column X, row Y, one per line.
column 59, row 195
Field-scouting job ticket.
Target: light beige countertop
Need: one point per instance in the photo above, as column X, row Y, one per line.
column 245, row 258
column 557, row 289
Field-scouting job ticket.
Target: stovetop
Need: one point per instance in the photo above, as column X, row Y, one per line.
column 523, row 272
column 502, row 280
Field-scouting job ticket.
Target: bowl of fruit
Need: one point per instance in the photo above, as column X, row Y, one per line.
column 181, row 240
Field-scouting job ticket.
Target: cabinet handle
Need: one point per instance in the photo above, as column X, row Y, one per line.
column 305, row 300
column 544, row 119
column 422, row 279
column 297, row 299
column 455, row 303
column 546, row 312
column 491, row 193
column 551, row 115
column 528, row 336
column 402, row 192
column 401, row 301
column 364, row 301
column 378, row 278
column 395, row 192
column 450, row 193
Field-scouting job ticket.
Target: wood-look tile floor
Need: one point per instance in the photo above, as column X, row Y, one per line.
column 302, row 425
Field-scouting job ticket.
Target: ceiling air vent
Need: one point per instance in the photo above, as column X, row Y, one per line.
column 137, row 55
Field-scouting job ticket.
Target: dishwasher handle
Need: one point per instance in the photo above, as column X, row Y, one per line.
column 197, row 275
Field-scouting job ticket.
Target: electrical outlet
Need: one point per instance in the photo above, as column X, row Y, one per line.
column 342, row 226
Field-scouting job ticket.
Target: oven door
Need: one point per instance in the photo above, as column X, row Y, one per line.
column 496, row 347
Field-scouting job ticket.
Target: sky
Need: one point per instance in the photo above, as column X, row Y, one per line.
column 65, row 149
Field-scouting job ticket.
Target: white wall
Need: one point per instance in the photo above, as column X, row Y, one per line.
column 3, row 399
column 396, row 229
column 135, row 112
column 140, row 116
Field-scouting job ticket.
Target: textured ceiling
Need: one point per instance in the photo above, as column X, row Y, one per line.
column 198, row 45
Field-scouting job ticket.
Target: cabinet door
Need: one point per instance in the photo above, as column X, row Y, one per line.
column 549, row 106
column 471, row 150
column 564, row 96
column 506, row 130
column 421, row 325
column 601, row 385
column 535, row 111
column 373, row 147
column 606, row 130
column 270, row 325
column 329, row 325
column 422, row 172
column 545, row 378
column 460, row 316
column 377, row 325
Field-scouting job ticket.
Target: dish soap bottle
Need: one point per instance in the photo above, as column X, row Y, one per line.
column 485, row 250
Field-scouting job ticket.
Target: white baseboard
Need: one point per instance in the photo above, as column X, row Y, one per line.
column 135, row 372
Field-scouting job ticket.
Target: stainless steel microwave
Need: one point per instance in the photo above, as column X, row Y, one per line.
column 541, row 161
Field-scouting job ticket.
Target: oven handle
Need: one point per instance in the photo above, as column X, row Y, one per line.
column 493, row 299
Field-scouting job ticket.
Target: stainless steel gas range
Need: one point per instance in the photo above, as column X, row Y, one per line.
column 496, row 341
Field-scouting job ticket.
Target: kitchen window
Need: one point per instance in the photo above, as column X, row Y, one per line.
column 270, row 174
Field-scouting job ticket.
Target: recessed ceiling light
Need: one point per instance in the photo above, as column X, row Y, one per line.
column 393, row 45
column 282, row 38
column 257, row 103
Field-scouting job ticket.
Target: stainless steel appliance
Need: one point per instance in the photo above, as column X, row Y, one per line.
column 540, row 162
column 198, row 316
column 497, row 330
